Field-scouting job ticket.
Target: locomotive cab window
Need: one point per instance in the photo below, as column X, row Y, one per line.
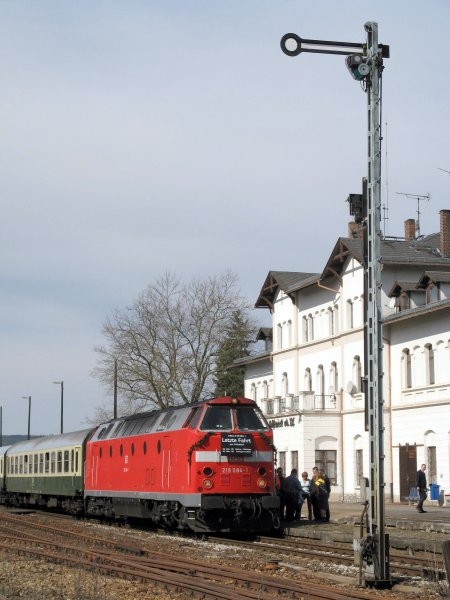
column 250, row 419
column 217, row 418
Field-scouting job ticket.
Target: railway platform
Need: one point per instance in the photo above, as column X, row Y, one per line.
column 405, row 526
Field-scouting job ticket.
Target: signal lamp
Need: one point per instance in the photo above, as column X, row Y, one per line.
column 262, row 471
column 261, row 483
column 358, row 67
column 234, row 401
column 207, row 471
column 207, row 484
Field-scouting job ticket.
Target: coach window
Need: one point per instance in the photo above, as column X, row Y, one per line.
column 59, row 463
column 36, row 462
column 76, row 460
column 72, row 461
column 47, row 462
column 66, row 461
column 53, row 462
column 25, row 464
column 21, row 465
column 41, row 462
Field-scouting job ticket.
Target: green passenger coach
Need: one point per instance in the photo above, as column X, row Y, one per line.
column 47, row 471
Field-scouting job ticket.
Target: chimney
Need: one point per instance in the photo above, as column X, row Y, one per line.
column 445, row 233
column 355, row 230
column 410, row 230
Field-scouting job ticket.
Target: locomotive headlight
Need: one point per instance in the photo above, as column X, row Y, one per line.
column 262, row 471
column 207, row 471
column 207, row 484
column 261, row 483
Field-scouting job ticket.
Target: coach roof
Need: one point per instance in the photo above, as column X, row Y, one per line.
column 75, row 438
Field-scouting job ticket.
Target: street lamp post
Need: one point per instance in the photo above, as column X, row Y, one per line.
column 61, row 383
column 365, row 63
column 29, row 412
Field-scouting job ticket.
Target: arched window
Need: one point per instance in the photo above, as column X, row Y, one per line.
column 320, row 381
column 349, row 314
column 429, row 365
column 265, row 390
column 253, row 392
column 330, row 322
column 284, row 385
column 289, row 333
column 356, row 373
column 334, row 376
column 305, row 329
column 310, row 328
column 406, row 368
column 280, row 336
column 308, row 380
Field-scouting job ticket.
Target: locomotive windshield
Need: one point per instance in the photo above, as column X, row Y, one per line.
column 217, row 418
column 249, row 419
column 220, row 418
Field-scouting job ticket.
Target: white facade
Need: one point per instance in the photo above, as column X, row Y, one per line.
column 309, row 385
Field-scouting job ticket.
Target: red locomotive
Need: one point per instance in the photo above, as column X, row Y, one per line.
column 206, row 467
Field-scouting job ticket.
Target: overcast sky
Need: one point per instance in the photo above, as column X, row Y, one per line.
column 143, row 136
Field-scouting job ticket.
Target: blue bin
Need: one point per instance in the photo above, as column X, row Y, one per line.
column 434, row 491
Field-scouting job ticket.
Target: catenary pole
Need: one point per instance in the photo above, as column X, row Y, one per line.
column 365, row 63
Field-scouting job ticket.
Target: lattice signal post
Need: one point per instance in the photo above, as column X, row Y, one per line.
column 365, row 63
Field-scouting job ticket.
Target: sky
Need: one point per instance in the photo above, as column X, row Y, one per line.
column 144, row 136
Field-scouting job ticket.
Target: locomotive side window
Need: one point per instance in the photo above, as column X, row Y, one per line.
column 193, row 418
column 249, row 419
column 217, row 418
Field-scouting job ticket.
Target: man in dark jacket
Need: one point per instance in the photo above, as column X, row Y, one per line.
column 293, row 494
column 421, row 483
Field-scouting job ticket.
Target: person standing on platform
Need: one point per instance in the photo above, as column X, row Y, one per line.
column 279, row 481
column 421, row 483
column 328, row 488
column 306, row 491
column 319, row 497
column 293, row 492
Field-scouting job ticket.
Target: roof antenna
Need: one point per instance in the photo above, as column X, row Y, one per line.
column 419, row 199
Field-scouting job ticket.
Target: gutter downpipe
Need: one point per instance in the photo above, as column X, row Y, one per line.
column 389, row 387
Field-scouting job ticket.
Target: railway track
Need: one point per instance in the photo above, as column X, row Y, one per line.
column 71, row 547
column 402, row 563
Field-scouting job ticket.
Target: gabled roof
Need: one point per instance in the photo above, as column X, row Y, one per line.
column 265, row 333
column 403, row 286
column 288, row 281
column 400, row 252
column 434, row 277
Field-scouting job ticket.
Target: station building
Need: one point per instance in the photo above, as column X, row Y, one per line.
column 307, row 380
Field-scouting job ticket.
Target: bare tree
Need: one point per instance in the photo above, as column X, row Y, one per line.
column 166, row 343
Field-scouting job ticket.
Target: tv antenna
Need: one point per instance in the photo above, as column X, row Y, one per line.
column 420, row 198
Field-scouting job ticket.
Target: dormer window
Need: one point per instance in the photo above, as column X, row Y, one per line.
column 432, row 293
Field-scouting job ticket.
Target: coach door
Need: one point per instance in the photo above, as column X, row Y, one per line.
column 408, row 469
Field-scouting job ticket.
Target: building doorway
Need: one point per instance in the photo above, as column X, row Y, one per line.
column 408, row 469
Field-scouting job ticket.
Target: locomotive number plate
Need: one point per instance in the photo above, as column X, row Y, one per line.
column 236, row 444
column 231, row 470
